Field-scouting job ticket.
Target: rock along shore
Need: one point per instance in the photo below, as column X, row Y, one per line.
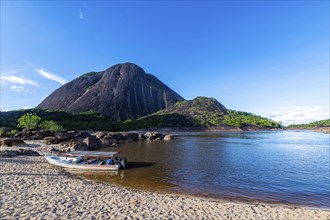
column 83, row 140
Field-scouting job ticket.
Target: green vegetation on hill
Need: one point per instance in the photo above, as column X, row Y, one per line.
column 170, row 120
column 70, row 121
column 315, row 124
column 208, row 112
column 200, row 112
column 239, row 119
column 89, row 74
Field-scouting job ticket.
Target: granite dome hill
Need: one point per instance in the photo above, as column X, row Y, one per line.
column 123, row 91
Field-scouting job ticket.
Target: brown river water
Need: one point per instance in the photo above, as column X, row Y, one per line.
column 289, row 167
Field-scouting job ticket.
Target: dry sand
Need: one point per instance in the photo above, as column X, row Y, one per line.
column 30, row 188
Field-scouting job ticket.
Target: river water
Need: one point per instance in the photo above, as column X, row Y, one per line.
column 289, row 167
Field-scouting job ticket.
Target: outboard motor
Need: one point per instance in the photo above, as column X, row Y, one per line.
column 123, row 162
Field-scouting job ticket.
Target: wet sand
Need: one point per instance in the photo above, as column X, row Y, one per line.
column 32, row 188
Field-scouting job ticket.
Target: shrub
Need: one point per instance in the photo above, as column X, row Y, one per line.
column 52, row 126
column 28, row 121
column 2, row 132
column 13, row 133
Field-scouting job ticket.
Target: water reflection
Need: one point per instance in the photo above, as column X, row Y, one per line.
column 134, row 165
column 280, row 166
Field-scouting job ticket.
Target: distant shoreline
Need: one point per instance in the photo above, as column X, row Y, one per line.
column 234, row 129
column 224, row 129
column 316, row 129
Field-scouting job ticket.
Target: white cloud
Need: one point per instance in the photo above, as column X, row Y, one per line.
column 19, row 80
column 17, row 88
column 14, row 71
column 81, row 15
column 224, row 88
column 22, row 89
column 299, row 115
column 50, row 76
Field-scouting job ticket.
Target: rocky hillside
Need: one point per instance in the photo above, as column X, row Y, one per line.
column 202, row 112
column 123, row 91
column 205, row 112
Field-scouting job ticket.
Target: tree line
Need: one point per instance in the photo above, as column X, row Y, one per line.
column 315, row 124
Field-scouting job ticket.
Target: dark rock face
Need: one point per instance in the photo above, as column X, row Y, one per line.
column 123, row 91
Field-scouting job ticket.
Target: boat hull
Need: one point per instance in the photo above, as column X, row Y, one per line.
column 55, row 160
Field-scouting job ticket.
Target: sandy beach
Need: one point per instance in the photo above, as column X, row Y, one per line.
column 30, row 188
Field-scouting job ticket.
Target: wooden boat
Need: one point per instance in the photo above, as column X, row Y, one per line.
column 88, row 160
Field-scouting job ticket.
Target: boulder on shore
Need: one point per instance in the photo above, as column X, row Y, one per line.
column 168, row 137
column 108, row 141
column 34, row 134
column 83, row 134
column 65, row 136
column 51, row 140
column 76, row 145
column 100, row 134
column 92, row 142
column 71, row 145
column 130, row 137
column 10, row 141
column 153, row 135
column 101, row 139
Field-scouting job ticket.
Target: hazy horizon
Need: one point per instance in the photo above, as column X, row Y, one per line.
column 268, row 58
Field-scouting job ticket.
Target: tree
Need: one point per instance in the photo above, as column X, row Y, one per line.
column 2, row 132
column 28, row 121
column 52, row 126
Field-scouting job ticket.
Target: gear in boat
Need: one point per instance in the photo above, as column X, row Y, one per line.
column 89, row 160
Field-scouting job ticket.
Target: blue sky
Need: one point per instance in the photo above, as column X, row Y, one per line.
column 269, row 58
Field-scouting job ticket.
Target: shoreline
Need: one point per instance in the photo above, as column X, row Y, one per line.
column 325, row 130
column 226, row 208
column 211, row 129
column 30, row 187
column 222, row 198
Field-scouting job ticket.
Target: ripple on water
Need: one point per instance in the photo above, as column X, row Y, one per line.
column 273, row 166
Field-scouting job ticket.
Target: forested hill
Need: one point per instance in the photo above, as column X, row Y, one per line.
column 206, row 113
column 315, row 124
column 199, row 113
